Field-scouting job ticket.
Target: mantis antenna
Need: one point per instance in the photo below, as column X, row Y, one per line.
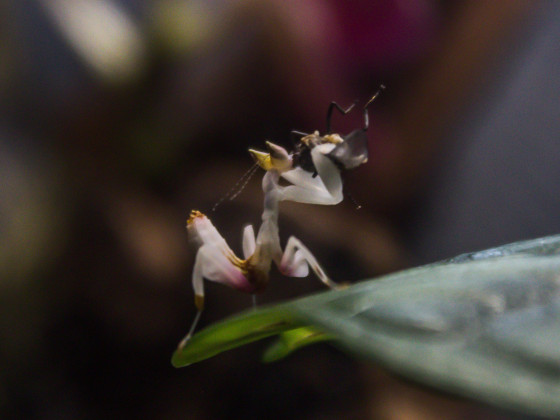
column 353, row 200
column 238, row 187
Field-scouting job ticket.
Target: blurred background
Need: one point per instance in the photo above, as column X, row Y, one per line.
column 117, row 117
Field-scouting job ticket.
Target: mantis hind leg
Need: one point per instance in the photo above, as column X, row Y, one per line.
column 343, row 111
column 295, row 254
column 198, row 285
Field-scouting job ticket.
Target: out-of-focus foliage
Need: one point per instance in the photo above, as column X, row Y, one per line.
column 485, row 325
column 103, row 35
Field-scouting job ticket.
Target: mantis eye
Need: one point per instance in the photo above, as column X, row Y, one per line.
column 353, row 152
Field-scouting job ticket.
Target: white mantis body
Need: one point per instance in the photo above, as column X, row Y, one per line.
column 216, row 261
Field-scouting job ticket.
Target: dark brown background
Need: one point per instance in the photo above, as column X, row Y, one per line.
column 106, row 147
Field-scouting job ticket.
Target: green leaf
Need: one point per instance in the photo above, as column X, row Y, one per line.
column 484, row 325
column 488, row 329
column 291, row 340
column 234, row 332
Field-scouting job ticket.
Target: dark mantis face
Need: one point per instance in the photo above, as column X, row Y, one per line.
column 349, row 151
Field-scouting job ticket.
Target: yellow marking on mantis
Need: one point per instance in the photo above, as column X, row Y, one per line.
column 263, row 159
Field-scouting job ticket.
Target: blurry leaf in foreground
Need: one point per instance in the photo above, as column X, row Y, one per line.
column 484, row 325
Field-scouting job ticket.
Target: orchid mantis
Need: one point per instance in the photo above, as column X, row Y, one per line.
column 314, row 174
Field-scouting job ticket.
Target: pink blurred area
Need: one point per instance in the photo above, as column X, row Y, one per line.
column 385, row 35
